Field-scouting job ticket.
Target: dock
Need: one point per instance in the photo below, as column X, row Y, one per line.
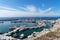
column 20, row 29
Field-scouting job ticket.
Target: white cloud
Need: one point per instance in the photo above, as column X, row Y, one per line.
column 7, row 8
column 45, row 11
column 30, row 11
column 29, row 8
column 43, row 5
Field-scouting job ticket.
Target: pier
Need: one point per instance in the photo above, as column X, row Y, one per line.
column 20, row 29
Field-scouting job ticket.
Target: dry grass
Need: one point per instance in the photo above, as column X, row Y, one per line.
column 49, row 36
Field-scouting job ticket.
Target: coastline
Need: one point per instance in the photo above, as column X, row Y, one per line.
column 55, row 26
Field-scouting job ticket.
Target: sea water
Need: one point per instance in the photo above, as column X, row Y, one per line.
column 28, row 32
column 4, row 27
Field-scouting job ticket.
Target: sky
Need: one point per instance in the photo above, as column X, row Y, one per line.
column 29, row 8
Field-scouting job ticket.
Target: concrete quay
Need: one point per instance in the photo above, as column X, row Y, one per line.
column 3, row 37
column 20, row 29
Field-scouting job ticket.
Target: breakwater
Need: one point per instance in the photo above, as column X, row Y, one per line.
column 40, row 24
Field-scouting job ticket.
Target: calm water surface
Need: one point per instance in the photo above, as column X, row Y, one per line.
column 4, row 27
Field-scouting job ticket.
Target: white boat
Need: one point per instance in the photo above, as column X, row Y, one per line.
column 22, row 35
